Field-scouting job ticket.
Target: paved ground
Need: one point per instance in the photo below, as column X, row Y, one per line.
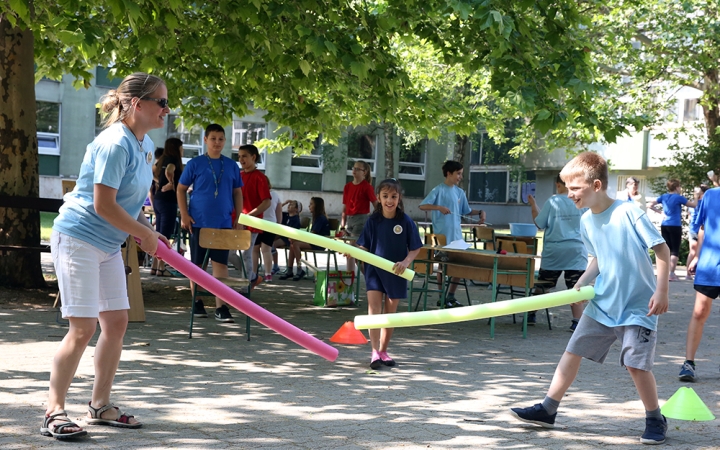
column 452, row 387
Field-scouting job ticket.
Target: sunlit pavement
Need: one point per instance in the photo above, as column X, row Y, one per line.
column 452, row 387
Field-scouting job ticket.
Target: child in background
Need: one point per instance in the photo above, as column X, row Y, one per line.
column 671, row 227
column 256, row 200
column 166, row 172
column 448, row 204
column 358, row 195
column 627, row 299
column 563, row 250
column 217, row 192
column 266, row 239
column 390, row 234
column 707, row 276
column 291, row 219
column 320, row 225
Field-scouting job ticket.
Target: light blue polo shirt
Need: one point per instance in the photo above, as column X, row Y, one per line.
column 563, row 248
column 114, row 159
column 453, row 198
column 619, row 238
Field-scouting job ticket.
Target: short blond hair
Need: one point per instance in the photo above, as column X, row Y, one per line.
column 588, row 165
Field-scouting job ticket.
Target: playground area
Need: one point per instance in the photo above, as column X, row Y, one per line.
column 452, row 388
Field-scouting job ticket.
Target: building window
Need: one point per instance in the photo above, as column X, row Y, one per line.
column 693, row 111
column 244, row 133
column 48, row 128
column 412, row 161
column 103, row 78
column 361, row 147
column 494, row 177
column 311, row 163
column 192, row 137
column 489, row 186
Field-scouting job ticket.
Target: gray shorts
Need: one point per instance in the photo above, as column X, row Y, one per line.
column 592, row 340
column 354, row 224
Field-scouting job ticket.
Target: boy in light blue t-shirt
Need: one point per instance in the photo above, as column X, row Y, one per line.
column 627, row 299
column 563, row 248
column 448, row 204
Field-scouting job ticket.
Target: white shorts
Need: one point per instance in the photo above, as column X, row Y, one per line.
column 90, row 280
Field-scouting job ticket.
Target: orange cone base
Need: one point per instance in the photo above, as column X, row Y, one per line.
column 348, row 334
column 685, row 404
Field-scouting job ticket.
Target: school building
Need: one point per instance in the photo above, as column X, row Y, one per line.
column 68, row 120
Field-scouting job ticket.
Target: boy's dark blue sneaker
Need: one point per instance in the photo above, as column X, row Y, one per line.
column 535, row 414
column 687, row 372
column 655, row 431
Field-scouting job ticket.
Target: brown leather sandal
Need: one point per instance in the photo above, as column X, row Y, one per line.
column 57, row 431
column 122, row 421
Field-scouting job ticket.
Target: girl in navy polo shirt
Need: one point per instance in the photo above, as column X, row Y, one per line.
column 390, row 234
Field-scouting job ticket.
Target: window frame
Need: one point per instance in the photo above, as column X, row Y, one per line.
column 180, row 130
column 422, row 165
column 372, row 162
column 317, row 143
column 50, row 151
column 495, row 169
column 235, row 147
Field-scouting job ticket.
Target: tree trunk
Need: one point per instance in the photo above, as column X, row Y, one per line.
column 711, row 111
column 18, row 157
column 459, row 156
column 389, row 132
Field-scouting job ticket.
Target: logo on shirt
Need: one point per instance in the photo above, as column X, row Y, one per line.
column 148, row 157
column 397, row 229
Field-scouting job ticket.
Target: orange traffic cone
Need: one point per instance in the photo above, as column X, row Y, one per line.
column 348, row 334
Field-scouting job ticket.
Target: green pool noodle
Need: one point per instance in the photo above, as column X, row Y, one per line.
column 324, row 242
column 484, row 311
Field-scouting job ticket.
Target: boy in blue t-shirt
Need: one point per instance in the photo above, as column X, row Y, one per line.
column 216, row 194
column 563, row 250
column 671, row 226
column 707, row 275
column 627, row 300
column 448, row 204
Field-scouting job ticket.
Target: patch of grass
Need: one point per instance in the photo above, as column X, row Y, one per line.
column 46, row 223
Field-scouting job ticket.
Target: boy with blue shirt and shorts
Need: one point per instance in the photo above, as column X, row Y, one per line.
column 671, row 226
column 448, row 204
column 216, row 193
column 707, row 275
column 563, row 248
column 627, row 302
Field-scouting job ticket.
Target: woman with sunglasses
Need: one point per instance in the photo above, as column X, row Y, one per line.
column 96, row 218
column 358, row 195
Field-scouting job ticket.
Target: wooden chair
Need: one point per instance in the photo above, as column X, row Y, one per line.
column 221, row 239
column 515, row 246
column 438, row 240
column 484, row 236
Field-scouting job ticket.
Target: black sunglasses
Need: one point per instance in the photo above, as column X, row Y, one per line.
column 163, row 102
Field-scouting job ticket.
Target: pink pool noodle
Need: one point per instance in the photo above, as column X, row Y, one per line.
column 244, row 305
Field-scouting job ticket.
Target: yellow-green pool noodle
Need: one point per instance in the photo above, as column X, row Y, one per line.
column 322, row 241
column 484, row 311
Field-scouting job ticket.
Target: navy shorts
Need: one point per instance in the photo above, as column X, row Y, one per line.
column 571, row 276
column 391, row 285
column 197, row 253
column 673, row 237
column 265, row 238
column 712, row 292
